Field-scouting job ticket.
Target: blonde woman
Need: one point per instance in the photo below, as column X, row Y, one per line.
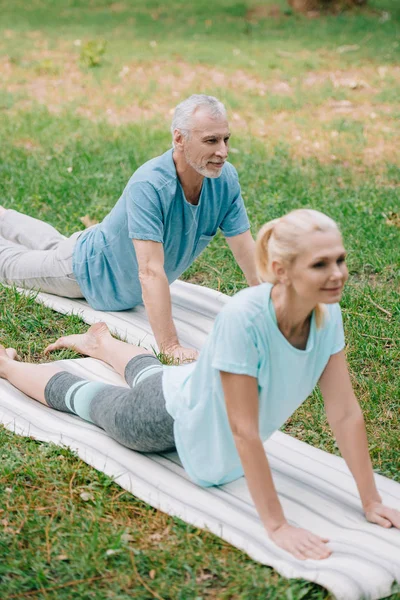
column 269, row 347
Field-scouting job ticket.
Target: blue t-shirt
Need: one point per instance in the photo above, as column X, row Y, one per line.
column 245, row 340
column 153, row 207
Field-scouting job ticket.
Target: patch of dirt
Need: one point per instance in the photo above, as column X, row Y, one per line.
column 150, row 86
column 27, row 144
column 260, row 12
column 143, row 92
column 47, row 77
column 393, row 219
column 314, row 8
column 365, row 111
column 118, row 7
column 369, row 78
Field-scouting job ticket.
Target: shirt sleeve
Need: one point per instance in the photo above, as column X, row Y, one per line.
column 144, row 212
column 338, row 342
column 235, row 220
column 235, row 349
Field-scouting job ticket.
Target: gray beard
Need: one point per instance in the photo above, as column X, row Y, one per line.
column 203, row 170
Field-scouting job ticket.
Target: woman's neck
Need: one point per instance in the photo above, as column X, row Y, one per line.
column 293, row 315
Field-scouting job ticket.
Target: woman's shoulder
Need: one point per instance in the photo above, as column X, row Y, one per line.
column 248, row 302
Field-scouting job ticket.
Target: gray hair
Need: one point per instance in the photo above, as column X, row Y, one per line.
column 185, row 110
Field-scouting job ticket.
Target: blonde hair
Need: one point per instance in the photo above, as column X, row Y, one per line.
column 283, row 239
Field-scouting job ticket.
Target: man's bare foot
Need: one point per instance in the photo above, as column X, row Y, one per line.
column 2, row 211
column 89, row 343
column 6, row 354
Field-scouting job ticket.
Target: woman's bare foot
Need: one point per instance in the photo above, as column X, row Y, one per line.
column 6, row 355
column 89, row 343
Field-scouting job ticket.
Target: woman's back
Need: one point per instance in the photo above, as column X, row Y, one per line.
column 245, row 340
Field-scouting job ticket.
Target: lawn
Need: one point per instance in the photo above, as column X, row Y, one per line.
column 86, row 97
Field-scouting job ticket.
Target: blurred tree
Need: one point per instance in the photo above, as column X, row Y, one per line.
column 328, row 5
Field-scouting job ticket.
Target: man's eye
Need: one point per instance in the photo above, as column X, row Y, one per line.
column 318, row 265
column 341, row 260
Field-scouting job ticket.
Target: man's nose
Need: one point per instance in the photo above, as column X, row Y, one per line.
column 222, row 150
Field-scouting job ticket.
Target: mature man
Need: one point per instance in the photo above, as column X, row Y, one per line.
column 167, row 214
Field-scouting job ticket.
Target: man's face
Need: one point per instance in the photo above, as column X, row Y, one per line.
column 206, row 147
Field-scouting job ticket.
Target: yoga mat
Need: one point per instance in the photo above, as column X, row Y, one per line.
column 316, row 489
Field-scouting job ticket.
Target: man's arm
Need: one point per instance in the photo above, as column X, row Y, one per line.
column 243, row 249
column 157, row 299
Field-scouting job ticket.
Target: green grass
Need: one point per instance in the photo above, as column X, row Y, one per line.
column 52, row 542
column 186, row 29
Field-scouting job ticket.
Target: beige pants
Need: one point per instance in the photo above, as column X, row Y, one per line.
column 36, row 256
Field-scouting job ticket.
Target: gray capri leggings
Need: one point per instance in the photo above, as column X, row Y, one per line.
column 135, row 417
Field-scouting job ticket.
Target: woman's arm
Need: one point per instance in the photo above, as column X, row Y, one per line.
column 347, row 422
column 241, row 397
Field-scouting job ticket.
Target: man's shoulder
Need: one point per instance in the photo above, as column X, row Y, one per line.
column 157, row 172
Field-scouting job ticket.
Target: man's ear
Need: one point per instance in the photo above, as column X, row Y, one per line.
column 280, row 272
column 178, row 139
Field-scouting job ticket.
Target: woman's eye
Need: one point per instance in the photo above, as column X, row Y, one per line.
column 340, row 260
column 319, row 265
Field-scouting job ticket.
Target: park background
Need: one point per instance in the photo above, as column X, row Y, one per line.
column 87, row 93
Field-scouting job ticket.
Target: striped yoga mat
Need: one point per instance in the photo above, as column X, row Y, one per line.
column 315, row 488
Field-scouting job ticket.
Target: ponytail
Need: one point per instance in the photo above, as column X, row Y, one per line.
column 263, row 265
column 320, row 314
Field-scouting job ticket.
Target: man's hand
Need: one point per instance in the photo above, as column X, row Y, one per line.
column 301, row 543
column 181, row 354
column 382, row 515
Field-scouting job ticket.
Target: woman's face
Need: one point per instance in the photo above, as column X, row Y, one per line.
column 319, row 273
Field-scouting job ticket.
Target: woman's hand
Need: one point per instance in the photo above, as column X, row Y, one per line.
column 301, row 543
column 382, row 515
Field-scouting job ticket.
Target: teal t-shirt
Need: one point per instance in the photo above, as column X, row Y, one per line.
column 245, row 340
column 153, row 207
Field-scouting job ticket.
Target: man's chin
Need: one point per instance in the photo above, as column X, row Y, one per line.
column 212, row 173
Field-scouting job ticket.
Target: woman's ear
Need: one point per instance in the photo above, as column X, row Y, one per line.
column 280, row 272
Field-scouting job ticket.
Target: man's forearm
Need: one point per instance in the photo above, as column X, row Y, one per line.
column 248, row 267
column 243, row 249
column 352, row 440
column 157, row 301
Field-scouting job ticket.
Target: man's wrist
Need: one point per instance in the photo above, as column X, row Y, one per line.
column 169, row 345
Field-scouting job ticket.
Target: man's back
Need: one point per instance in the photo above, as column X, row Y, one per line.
column 153, row 207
